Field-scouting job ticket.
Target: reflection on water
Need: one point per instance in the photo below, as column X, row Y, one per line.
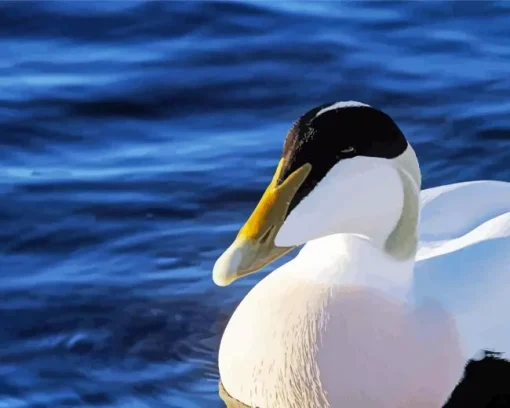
column 228, row 400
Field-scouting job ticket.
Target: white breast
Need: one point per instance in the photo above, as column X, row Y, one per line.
column 296, row 342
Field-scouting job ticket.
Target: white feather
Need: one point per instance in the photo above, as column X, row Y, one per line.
column 340, row 105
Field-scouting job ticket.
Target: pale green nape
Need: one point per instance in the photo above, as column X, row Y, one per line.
column 403, row 241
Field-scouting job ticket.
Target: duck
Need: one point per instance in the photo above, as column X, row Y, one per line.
column 394, row 289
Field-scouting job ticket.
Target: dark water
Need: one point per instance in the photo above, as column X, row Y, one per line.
column 136, row 137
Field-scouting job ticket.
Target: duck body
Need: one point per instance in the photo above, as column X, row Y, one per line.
column 395, row 288
column 312, row 336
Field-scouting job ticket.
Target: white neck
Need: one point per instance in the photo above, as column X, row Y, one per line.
column 354, row 261
column 360, row 224
column 365, row 196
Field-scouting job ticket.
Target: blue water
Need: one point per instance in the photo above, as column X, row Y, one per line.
column 136, row 137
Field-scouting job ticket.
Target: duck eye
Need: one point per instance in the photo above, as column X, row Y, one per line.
column 350, row 149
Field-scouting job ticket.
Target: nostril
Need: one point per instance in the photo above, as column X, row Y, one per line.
column 266, row 235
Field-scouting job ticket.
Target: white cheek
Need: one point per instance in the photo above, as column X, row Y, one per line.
column 356, row 195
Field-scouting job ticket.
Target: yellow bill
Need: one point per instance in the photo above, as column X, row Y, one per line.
column 254, row 245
